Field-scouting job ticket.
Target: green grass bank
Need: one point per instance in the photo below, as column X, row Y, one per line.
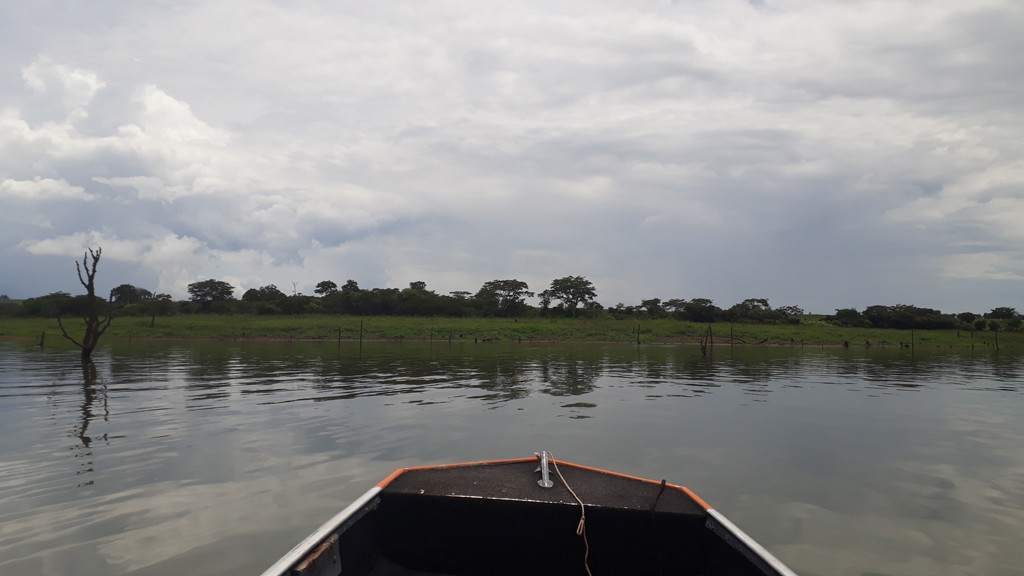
column 394, row 328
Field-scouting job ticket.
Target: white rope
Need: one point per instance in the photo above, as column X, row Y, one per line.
column 581, row 529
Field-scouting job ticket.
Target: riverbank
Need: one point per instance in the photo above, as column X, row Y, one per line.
column 391, row 328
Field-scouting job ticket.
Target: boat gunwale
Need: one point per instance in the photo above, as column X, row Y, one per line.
column 300, row 550
column 753, row 548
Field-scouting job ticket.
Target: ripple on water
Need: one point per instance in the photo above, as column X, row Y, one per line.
column 840, row 461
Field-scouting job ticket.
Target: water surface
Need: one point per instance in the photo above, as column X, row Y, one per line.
column 216, row 457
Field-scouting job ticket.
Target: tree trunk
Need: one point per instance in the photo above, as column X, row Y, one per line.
column 94, row 326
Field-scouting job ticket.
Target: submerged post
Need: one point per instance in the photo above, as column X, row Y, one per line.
column 706, row 342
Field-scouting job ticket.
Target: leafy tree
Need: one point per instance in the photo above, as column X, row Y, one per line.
column 94, row 325
column 905, row 316
column 751, row 309
column 207, row 292
column 270, row 299
column 653, row 308
column 503, row 297
column 967, row 317
column 1002, row 313
column 297, row 304
column 416, row 300
column 350, row 286
column 790, row 310
column 325, row 288
column 130, row 300
column 993, row 325
column 157, row 305
column 979, row 324
column 755, row 309
column 8, row 308
column 756, row 304
column 676, row 307
column 48, row 306
column 702, row 310
column 620, row 311
column 125, row 294
column 879, row 316
column 545, row 302
column 362, row 301
column 572, row 291
column 787, row 314
column 269, row 293
column 384, row 301
column 848, row 317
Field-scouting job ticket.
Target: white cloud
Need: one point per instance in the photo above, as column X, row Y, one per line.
column 75, row 244
column 983, row 266
column 983, row 207
column 278, row 144
column 42, row 189
column 170, row 121
column 176, row 260
column 77, row 87
column 147, row 187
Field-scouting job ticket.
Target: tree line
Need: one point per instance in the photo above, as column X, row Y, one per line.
column 499, row 298
column 566, row 296
column 906, row 316
column 569, row 296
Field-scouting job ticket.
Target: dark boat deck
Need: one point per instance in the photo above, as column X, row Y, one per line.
column 494, row 519
column 518, row 481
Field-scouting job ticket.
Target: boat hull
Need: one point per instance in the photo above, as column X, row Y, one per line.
column 494, row 518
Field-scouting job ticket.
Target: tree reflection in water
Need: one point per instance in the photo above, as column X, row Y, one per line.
column 93, row 390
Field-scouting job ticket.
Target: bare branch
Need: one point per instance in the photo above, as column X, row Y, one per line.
column 79, row 270
column 103, row 328
column 66, row 335
column 94, row 326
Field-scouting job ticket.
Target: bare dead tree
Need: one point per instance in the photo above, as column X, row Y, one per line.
column 94, row 325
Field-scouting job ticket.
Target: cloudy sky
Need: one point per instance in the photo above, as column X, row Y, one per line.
column 822, row 154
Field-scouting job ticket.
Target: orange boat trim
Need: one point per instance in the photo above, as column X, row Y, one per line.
column 391, row 477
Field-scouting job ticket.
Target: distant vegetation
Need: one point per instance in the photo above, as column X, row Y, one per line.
column 567, row 297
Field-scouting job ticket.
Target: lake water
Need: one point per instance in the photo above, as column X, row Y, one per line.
column 216, row 457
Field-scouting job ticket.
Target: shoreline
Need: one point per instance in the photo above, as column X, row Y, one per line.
column 715, row 343
column 667, row 331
